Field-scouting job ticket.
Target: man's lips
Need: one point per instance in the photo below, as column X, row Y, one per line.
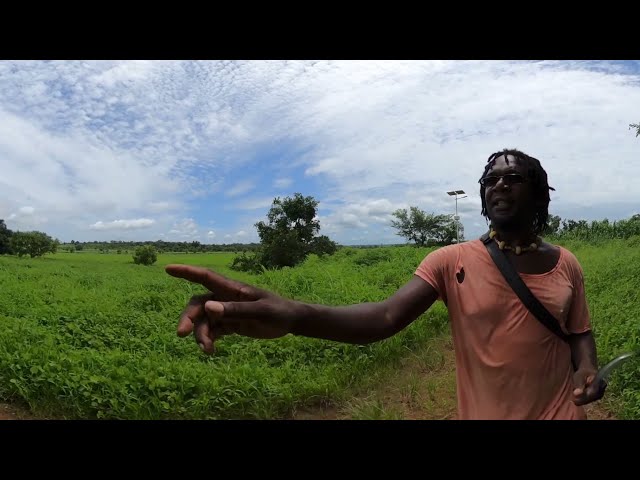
column 501, row 204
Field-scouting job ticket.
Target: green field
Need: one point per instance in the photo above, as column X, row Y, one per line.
column 89, row 335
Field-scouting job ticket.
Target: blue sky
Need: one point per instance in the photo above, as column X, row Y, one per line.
column 197, row 150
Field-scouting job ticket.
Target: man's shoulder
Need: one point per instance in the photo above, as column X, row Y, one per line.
column 569, row 259
column 455, row 250
column 567, row 255
column 470, row 246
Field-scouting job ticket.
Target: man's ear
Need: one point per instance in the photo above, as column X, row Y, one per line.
column 539, row 203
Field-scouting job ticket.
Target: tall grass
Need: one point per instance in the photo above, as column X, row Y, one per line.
column 93, row 336
column 612, row 283
column 599, row 231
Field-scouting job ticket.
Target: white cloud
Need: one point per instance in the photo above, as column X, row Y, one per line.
column 26, row 210
column 283, row 182
column 123, row 224
column 240, row 188
column 133, row 71
column 187, row 228
column 349, row 220
column 25, row 218
column 240, row 236
column 160, row 206
column 255, row 203
column 87, row 140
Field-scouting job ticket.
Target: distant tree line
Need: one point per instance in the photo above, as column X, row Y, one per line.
column 429, row 229
column 36, row 244
column 161, row 246
column 291, row 234
column 592, row 231
column 287, row 238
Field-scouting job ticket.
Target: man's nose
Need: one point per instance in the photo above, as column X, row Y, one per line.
column 501, row 183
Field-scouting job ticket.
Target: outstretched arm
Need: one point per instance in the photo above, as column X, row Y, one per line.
column 235, row 307
column 366, row 322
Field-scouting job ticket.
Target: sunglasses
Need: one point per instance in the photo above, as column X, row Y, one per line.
column 507, row 179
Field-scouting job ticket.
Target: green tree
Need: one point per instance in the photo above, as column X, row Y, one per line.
column 450, row 233
column 424, row 228
column 145, row 255
column 289, row 234
column 553, row 225
column 323, row 245
column 5, row 238
column 34, row 244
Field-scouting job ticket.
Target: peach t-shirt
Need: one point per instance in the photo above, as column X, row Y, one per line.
column 509, row 365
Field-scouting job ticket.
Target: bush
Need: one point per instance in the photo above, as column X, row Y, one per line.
column 371, row 257
column 145, row 255
column 35, row 244
column 247, row 262
column 323, row 245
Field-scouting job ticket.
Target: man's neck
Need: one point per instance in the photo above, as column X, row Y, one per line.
column 515, row 237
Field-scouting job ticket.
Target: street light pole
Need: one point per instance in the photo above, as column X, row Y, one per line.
column 456, row 217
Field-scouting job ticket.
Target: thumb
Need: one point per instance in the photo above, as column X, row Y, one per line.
column 235, row 310
column 214, row 309
column 581, row 381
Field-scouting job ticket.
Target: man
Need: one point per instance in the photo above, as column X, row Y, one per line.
column 509, row 365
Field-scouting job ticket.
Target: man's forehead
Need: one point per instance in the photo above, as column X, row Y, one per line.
column 506, row 163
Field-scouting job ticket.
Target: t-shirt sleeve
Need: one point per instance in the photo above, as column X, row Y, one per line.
column 579, row 319
column 434, row 269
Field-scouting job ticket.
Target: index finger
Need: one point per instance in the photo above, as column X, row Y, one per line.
column 211, row 280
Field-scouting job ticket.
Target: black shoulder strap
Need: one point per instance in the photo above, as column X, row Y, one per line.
column 521, row 289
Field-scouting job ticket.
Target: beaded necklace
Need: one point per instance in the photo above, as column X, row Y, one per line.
column 517, row 249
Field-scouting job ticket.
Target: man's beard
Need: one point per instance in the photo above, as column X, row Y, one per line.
column 513, row 224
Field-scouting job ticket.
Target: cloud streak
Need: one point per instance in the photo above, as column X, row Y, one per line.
column 81, row 142
column 123, row 224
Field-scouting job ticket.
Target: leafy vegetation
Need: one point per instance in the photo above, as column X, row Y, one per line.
column 145, row 255
column 93, row 335
column 288, row 236
column 33, row 244
column 5, row 238
column 426, row 229
column 596, row 231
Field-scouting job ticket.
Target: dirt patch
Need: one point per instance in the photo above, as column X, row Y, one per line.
column 423, row 388
column 14, row 412
column 599, row 411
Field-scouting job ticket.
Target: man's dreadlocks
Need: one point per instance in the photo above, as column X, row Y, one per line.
column 536, row 175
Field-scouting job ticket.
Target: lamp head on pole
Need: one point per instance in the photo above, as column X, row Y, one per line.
column 456, row 217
